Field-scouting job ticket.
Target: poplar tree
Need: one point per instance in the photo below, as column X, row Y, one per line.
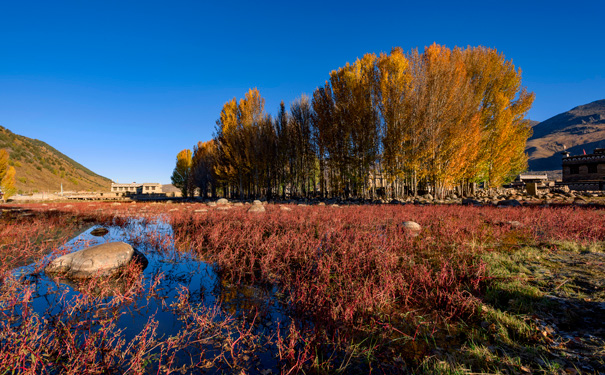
column 502, row 104
column 181, row 175
column 204, row 162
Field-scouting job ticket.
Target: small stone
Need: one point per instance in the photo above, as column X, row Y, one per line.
column 222, row 201
column 257, row 208
column 510, row 203
column 515, row 224
column 412, row 228
column 99, row 232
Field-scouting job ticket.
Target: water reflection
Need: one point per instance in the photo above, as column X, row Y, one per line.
column 156, row 293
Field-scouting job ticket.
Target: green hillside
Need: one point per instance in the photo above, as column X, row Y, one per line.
column 42, row 168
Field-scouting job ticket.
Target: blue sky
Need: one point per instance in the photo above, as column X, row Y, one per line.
column 123, row 86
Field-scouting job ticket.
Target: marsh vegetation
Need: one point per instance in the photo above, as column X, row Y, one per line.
column 313, row 289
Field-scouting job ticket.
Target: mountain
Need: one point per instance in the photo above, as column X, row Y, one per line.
column 41, row 168
column 577, row 130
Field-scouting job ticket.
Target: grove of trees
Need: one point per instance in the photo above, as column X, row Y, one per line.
column 420, row 121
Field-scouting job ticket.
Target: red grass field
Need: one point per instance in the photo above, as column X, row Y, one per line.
column 361, row 293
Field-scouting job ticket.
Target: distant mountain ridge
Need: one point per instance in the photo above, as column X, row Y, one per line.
column 42, row 168
column 580, row 129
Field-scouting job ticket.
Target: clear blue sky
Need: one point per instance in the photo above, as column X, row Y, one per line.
column 122, row 86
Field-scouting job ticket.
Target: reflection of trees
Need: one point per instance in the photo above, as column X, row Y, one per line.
column 244, row 299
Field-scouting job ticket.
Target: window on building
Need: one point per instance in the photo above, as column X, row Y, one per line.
column 592, row 168
column 153, row 188
column 146, row 187
column 574, row 169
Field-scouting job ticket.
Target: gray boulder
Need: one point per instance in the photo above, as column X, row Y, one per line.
column 100, row 260
column 222, row 201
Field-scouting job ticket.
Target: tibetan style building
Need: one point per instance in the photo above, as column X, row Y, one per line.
column 585, row 172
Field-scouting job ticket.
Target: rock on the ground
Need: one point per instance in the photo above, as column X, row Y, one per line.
column 471, row 202
column 510, row 203
column 256, row 208
column 412, row 228
column 222, row 201
column 515, row 224
column 99, row 232
column 99, row 260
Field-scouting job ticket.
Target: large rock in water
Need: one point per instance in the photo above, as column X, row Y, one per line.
column 101, row 260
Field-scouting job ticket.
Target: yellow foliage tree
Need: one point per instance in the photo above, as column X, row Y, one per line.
column 182, row 174
column 236, row 131
column 502, row 105
column 204, row 163
column 7, row 176
column 394, row 102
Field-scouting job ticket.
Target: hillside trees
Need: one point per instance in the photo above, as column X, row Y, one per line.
column 7, row 175
column 428, row 120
